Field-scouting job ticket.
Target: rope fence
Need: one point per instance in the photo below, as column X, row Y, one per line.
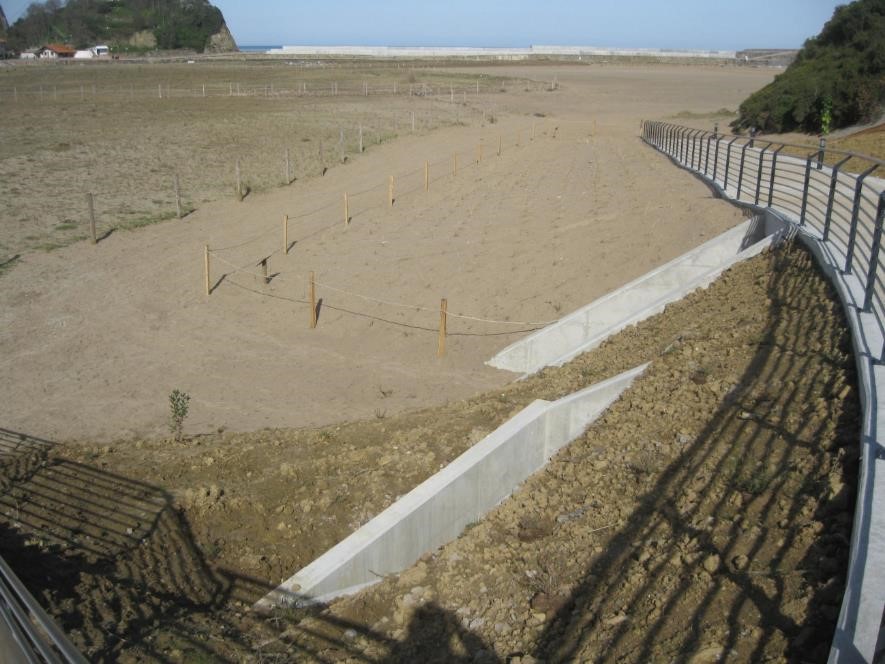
column 386, row 195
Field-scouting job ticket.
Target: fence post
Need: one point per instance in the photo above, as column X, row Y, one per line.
column 285, row 234
column 759, row 173
column 313, row 301
column 455, row 164
column 500, row 144
column 707, row 155
column 239, row 181
column 716, row 159
column 694, row 141
column 727, row 162
column 773, row 173
column 831, row 198
column 820, row 154
column 805, row 190
column 441, row 344
column 855, row 217
column 741, row 170
column 288, row 168
column 177, row 196
column 426, row 176
column 90, row 202
column 390, row 192
column 361, row 138
column 346, row 211
column 874, row 254
column 206, row 269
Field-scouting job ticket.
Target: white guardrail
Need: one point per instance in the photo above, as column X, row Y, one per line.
column 839, row 215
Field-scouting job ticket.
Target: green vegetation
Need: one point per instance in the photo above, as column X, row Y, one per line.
column 837, row 79
column 178, row 410
column 173, row 23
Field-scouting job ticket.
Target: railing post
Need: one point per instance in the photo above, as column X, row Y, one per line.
column 694, row 140
column 759, row 173
column 773, row 172
column 741, row 170
column 707, row 154
column 727, row 163
column 833, row 182
column 855, row 217
column 874, row 255
column 820, row 154
column 716, row 159
column 805, row 190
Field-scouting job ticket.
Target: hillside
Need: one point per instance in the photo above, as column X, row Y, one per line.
column 124, row 25
column 837, row 79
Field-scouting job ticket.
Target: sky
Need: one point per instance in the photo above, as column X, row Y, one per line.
column 691, row 24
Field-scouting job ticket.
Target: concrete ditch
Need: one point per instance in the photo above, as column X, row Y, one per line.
column 438, row 510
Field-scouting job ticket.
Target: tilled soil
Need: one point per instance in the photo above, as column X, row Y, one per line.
column 705, row 516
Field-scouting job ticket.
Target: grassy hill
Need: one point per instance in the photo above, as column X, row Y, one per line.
column 837, row 79
column 123, row 24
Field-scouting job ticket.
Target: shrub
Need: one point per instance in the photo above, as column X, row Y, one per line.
column 178, row 410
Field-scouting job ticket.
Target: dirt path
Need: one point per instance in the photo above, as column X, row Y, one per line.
column 93, row 339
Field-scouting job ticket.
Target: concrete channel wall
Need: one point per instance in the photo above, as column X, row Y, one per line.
column 439, row 509
column 590, row 325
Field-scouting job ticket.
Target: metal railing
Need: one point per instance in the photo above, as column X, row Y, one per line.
column 811, row 187
column 27, row 632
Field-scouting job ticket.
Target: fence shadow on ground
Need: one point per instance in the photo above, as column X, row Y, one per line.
column 673, row 617
column 117, row 566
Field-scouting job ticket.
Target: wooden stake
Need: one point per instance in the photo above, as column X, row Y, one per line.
column 264, row 270
column 361, row 139
column 500, row 144
column 313, row 301
column 390, row 191
column 239, row 181
column 413, row 122
column 288, row 168
column 90, row 201
column 160, row 90
column 455, row 164
column 177, row 196
column 206, row 268
column 426, row 176
column 285, row 234
column 346, row 211
column 204, row 89
column 441, row 345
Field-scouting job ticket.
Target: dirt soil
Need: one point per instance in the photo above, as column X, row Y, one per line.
column 706, row 516
column 93, row 339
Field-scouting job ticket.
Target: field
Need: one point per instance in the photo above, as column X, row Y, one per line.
column 540, row 198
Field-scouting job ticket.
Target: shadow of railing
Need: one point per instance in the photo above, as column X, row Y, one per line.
column 742, row 471
column 116, row 565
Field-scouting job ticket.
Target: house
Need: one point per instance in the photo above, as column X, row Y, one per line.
column 54, row 51
column 28, row 55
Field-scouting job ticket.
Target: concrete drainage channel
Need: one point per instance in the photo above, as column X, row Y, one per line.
column 439, row 509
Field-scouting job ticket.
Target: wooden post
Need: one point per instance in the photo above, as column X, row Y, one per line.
column 264, row 263
column 361, row 138
column 90, row 202
column 204, row 89
column 394, row 88
column 426, row 176
column 479, row 153
column 206, row 269
column 288, row 168
column 346, row 210
column 452, row 94
column 177, row 196
column 322, row 158
column 441, row 345
column 239, row 181
column 313, row 301
column 390, row 191
column 160, row 90
column 365, row 89
column 285, row 234
column 477, row 86
column 455, row 164
column 413, row 122
column 341, row 145
column 500, row 144
column 533, row 131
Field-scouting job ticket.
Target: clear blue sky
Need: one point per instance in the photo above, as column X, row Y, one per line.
column 703, row 24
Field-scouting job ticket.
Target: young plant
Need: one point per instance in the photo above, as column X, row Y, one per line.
column 178, row 409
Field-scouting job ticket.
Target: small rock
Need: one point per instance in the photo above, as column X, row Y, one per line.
column 711, row 563
column 712, row 653
column 350, row 634
column 740, row 562
column 616, row 619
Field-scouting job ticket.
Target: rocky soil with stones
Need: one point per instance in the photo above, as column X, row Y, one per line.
column 705, row 517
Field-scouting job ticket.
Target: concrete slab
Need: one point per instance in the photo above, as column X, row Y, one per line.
column 439, row 509
column 590, row 325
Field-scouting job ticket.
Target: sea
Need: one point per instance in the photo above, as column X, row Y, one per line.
column 257, row 48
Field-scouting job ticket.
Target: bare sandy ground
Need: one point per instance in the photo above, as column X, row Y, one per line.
column 93, row 338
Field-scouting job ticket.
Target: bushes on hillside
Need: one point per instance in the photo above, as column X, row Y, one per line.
column 837, row 79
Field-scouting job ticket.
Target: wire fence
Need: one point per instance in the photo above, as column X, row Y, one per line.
column 811, row 187
column 340, row 213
